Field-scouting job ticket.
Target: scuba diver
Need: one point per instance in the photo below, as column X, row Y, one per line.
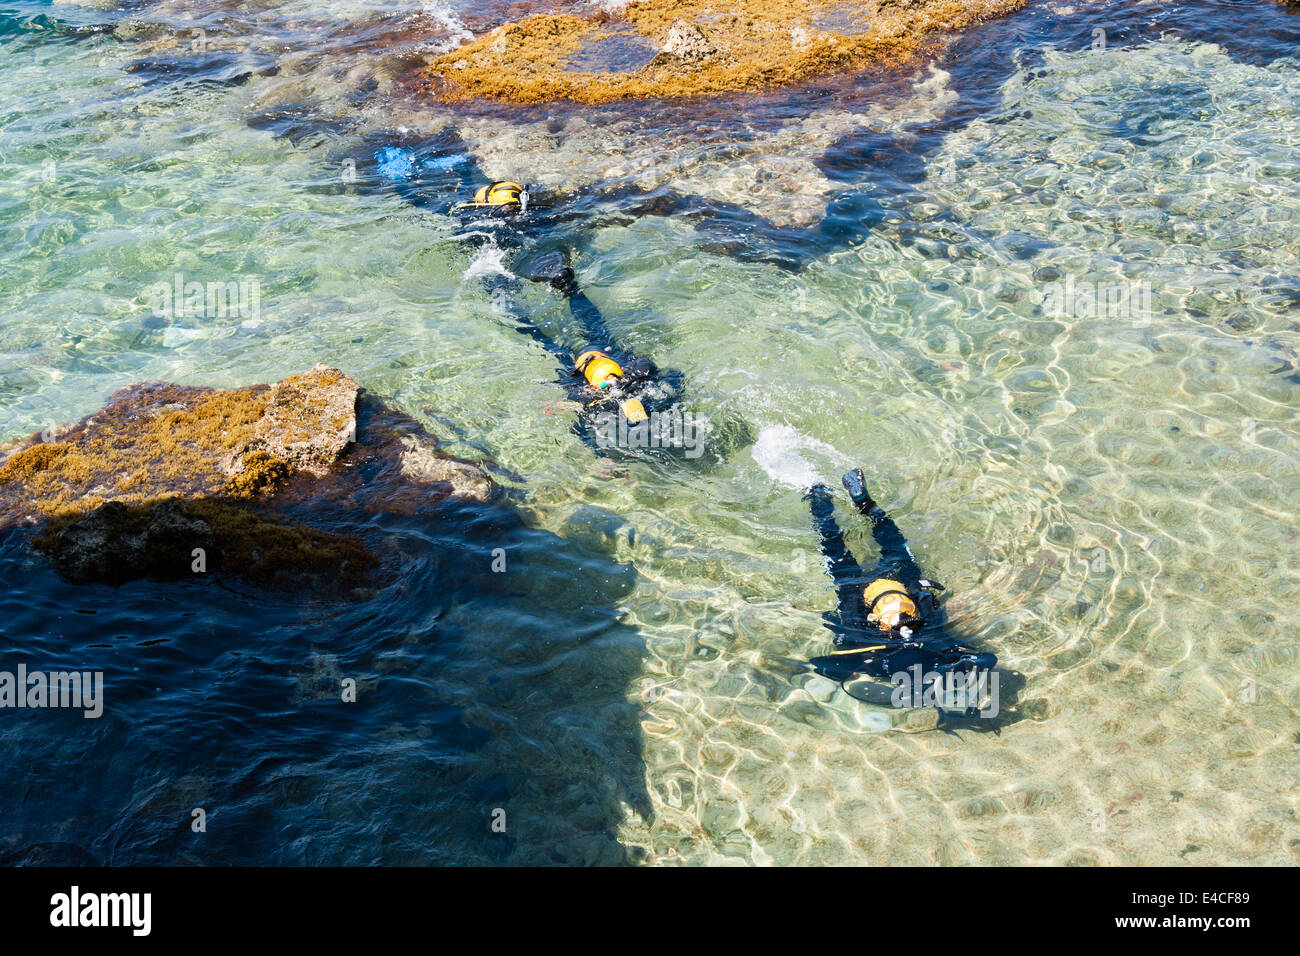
column 888, row 622
column 618, row 391
column 625, row 401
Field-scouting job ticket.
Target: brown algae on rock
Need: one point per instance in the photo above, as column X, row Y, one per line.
column 149, row 441
column 165, row 469
column 706, row 47
column 262, row 473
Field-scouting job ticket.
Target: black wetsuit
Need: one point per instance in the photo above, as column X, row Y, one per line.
column 522, row 237
column 535, row 244
column 861, row 646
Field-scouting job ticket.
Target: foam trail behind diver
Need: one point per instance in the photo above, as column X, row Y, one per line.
column 489, row 260
column 780, row 452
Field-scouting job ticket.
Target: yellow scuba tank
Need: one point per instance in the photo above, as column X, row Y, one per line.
column 501, row 193
column 598, row 369
column 887, row 601
column 600, row 372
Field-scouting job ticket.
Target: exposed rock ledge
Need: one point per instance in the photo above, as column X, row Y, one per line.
column 679, row 48
column 163, row 469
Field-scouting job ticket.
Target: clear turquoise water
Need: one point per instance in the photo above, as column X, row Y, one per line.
column 1109, row 499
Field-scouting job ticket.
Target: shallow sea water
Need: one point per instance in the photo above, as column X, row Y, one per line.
column 1110, row 499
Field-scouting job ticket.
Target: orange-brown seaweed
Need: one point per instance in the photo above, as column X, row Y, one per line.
column 739, row 45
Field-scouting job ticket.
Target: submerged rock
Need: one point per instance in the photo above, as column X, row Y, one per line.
column 168, row 480
column 173, row 539
column 114, row 540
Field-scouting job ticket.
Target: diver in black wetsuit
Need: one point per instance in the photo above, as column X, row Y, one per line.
column 614, row 387
column 887, row 620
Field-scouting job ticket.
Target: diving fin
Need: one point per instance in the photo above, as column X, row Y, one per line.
column 855, row 483
column 550, row 267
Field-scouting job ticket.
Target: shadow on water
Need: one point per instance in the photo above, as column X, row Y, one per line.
column 483, row 697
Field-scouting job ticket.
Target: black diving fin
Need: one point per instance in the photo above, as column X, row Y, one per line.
column 552, row 268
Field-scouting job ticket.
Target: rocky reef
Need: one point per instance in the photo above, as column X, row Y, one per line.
column 677, row 48
column 169, row 480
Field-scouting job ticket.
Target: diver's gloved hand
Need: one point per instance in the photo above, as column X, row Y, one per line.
column 855, row 483
column 394, row 163
column 906, row 631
